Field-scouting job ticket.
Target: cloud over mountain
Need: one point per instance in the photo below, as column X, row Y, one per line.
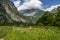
column 52, row 7
column 17, row 3
column 28, row 4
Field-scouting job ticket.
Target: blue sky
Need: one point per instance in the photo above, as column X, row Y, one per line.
column 46, row 4
column 49, row 3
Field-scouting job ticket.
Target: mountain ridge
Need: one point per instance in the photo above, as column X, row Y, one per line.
column 13, row 15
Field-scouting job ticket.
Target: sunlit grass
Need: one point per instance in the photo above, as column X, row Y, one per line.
column 35, row 33
column 4, row 30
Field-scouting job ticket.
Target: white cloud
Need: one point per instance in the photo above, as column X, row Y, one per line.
column 17, row 3
column 52, row 7
column 28, row 4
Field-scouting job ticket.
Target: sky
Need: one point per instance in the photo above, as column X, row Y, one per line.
column 46, row 5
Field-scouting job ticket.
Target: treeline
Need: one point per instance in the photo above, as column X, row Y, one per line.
column 48, row 19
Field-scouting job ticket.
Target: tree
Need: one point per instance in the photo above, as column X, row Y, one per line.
column 2, row 20
column 47, row 19
column 58, row 17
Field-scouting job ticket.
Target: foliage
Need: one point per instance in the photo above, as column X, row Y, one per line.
column 58, row 17
column 2, row 20
column 46, row 19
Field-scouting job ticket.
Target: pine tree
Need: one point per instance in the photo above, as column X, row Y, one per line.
column 58, row 17
column 47, row 19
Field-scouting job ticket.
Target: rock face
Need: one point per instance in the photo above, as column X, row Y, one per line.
column 9, row 13
column 32, row 15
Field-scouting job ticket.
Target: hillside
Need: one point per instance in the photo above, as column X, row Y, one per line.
column 32, row 15
column 9, row 10
column 12, row 15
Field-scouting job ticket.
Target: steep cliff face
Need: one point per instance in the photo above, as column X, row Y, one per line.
column 3, row 15
column 9, row 12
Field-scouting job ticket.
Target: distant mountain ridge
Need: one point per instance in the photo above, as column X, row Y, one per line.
column 31, row 11
column 11, row 15
column 55, row 10
column 32, row 14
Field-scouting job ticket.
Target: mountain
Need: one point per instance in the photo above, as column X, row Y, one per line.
column 54, row 11
column 10, row 14
column 9, row 11
column 58, row 8
column 32, row 14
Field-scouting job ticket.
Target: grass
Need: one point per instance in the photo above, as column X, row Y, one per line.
column 4, row 30
column 35, row 33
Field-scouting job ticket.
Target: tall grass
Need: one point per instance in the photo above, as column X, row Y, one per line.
column 4, row 30
column 41, row 33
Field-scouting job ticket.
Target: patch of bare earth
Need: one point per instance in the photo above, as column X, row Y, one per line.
column 2, row 39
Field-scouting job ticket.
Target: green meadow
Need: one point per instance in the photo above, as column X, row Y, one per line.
column 30, row 33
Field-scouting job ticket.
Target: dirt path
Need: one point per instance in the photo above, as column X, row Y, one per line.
column 2, row 39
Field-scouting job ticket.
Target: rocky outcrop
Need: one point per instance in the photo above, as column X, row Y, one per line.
column 9, row 13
